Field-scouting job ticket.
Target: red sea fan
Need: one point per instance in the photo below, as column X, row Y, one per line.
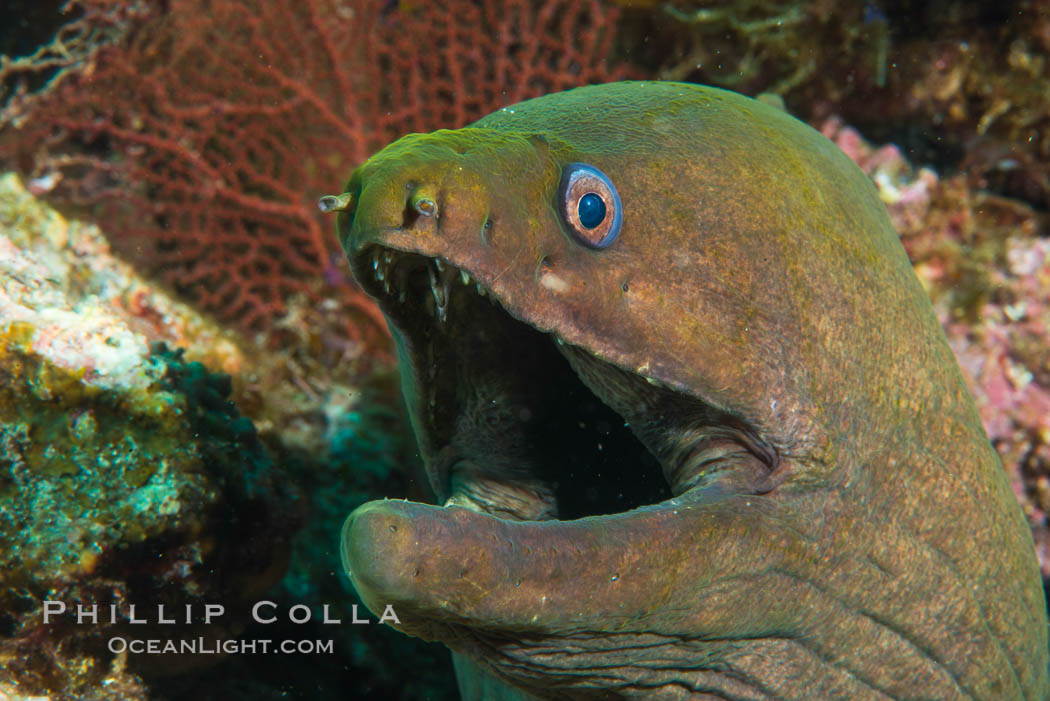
column 203, row 139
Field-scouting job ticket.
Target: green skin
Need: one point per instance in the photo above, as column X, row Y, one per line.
column 841, row 526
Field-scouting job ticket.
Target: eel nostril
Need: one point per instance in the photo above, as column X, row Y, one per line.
column 337, row 203
column 425, row 207
column 421, row 203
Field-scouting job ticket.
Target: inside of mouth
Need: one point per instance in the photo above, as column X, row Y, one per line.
column 504, row 423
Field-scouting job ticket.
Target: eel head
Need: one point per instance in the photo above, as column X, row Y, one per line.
column 692, row 421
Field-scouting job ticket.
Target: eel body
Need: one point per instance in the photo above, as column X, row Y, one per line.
column 694, row 426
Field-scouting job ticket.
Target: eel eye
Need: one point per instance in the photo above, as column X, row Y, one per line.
column 589, row 205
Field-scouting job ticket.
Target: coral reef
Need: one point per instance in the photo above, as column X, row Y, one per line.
column 49, row 43
column 957, row 83
column 126, row 472
column 129, row 476
column 204, row 137
column 987, row 269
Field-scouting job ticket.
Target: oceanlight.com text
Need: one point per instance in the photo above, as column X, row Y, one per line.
column 210, row 646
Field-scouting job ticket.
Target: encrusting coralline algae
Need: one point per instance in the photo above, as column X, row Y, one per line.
column 119, row 458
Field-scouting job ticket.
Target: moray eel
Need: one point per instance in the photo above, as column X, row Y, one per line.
column 695, row 427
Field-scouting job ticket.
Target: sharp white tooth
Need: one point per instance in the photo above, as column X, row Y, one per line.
column 442, row 308
column 380, row 273
column 481, row 290
column 387, row 257
column 439, row 265
column 386, row 285
column 375, row 263
column 440, row 293
column 560, row 342
column 433, row 282
column 464, row 277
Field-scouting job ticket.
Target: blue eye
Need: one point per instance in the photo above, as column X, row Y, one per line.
column 591, row 210
column 589, row 205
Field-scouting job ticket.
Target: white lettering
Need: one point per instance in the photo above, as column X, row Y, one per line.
column 56, row 608
column 89, row 612
column 304, row 618
column 353, row 616
column 326, row 618
column 131, row 617
column 213, row 610
column 259, row 605
column 389, row 615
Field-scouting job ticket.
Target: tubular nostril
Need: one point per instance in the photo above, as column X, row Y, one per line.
column 425, row 207
column 337, row 203
column 423, row 203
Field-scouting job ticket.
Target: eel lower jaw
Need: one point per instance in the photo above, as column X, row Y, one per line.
column 457, row 575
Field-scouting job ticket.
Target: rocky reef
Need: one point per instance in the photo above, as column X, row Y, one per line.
column 131, row 480
column 959, row 84
column 119, row 458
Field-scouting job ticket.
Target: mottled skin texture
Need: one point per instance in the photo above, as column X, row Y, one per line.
column 842, row 527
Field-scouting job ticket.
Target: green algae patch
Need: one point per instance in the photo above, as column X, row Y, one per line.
column 112, row 466
column 73, row 426
column 103, row 488
column 127, row 475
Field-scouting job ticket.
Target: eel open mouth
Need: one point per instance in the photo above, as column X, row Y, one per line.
column 504, row 423
column 590, row 494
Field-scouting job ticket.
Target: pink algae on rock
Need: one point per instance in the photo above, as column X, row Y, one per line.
column 987, row 269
